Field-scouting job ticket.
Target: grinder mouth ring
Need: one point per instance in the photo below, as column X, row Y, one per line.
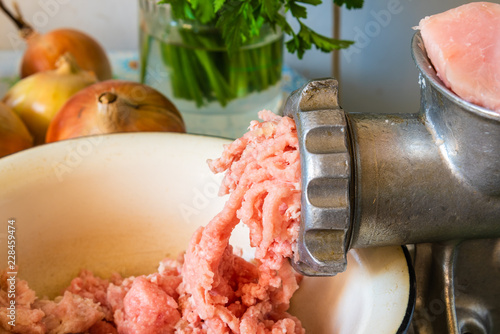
column 427, row 70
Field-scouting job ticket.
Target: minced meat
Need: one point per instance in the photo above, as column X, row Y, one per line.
column 210, row 288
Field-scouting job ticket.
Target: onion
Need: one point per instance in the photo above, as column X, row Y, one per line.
column 44, row 50
column 14, row 135
column 37, row 98
column 115, row 106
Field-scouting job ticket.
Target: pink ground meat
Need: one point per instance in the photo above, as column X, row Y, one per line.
column 69, row 313
column 263, row 179
column 210, row 289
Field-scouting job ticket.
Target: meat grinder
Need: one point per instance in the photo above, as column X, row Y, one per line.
column 429, row 179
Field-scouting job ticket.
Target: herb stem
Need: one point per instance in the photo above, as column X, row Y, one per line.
column 202, row 70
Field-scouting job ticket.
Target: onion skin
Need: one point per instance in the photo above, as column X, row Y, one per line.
column 43, row 51
column 37, row 98
column 134, row 108
column 14, row 136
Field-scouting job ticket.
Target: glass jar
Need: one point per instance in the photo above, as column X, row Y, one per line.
column 218, row 93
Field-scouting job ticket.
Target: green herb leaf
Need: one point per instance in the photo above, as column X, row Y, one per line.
column 326, row 44
column 204, row 10
column 237, row 23
column 180, row 8
column 283, row 23
column 350, row 4
column 298, row 11
column 311, row 2
column 240, row 20
column 218, row 5
column 194, row 3
column 306, row 38
column 270, row 9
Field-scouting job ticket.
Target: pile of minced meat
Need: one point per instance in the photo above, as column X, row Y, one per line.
column 209, row 288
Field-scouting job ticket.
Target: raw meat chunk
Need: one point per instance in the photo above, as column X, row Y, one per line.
column 147, row 309
column 463, row 45
column 69, row 313
column 87, row 285
column 27, row 320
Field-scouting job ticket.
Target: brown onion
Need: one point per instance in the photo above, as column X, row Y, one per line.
column 14, row 135
column 43, row 50
column 37, row 98
column 115, row 106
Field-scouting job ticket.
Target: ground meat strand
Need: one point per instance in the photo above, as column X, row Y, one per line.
column 263, row 180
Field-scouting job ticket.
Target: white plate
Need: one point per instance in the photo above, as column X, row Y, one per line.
column 123, row 202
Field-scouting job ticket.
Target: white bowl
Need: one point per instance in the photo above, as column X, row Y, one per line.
column 123, row 202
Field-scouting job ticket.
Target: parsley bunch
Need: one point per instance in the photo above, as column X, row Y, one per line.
column 241, row 20
column 222, row 50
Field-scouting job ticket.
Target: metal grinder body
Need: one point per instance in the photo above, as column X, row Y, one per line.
column 430, row 179
column 375, row 180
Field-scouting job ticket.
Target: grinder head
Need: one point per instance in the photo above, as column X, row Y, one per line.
column 326, row 178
